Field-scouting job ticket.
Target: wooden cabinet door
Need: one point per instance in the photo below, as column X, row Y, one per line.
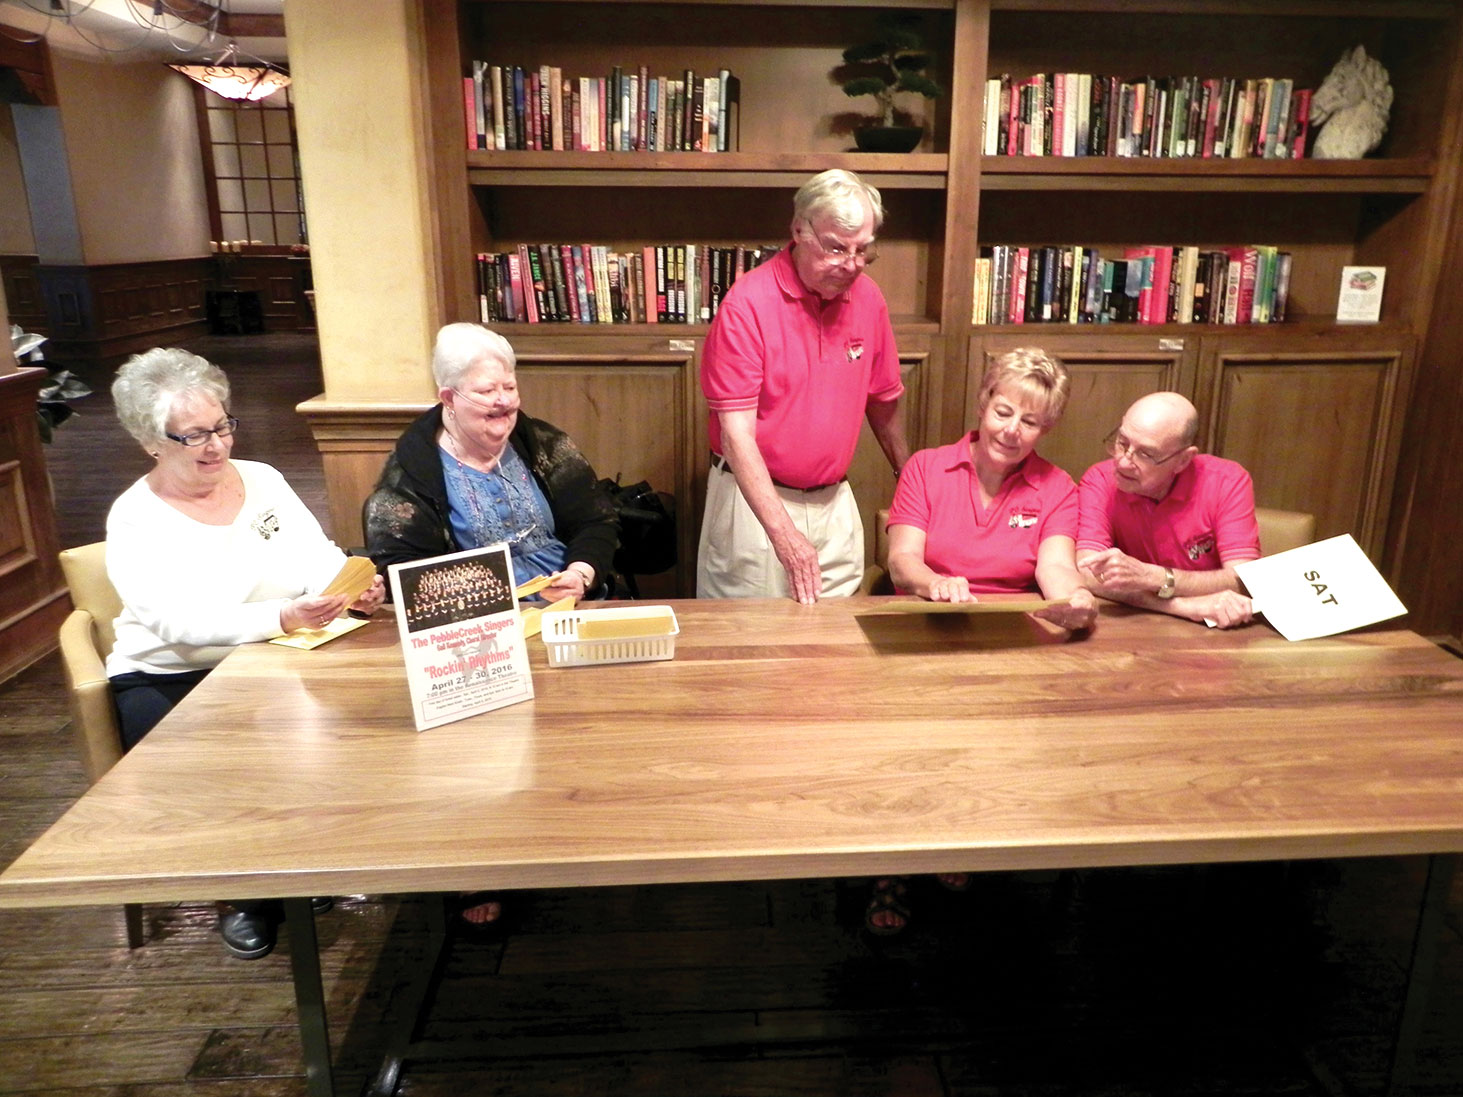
column 631, row 415
column 1108, row 374
column 1317, row 426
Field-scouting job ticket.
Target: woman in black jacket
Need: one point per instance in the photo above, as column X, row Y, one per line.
column 475, row 471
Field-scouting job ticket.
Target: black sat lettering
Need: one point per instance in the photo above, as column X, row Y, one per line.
column 1313, row 577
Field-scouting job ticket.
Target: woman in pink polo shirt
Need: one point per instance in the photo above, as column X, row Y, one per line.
column 986, row 515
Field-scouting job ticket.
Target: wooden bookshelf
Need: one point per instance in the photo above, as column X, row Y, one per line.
column 946, row 200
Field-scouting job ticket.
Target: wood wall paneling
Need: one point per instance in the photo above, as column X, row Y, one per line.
column 869, row 475
column 632, row 418
column 1317, row 430
column 354, row 441
column 279, row 280
column 105, row 313
column 23, row 299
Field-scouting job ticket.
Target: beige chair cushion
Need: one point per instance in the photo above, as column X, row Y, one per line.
column 85, row 569
column 86, row 638
column 1284, row 529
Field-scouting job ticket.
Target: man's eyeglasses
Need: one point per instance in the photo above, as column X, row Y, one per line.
column 837, row 254
column 1119, row 447
column 200, row 437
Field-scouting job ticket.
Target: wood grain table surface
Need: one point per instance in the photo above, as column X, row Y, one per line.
column 781, row 741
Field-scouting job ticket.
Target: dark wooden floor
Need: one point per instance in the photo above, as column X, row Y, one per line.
column 1252, row 979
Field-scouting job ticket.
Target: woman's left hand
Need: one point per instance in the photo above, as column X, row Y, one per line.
column 1077, row 612
column 369, row 602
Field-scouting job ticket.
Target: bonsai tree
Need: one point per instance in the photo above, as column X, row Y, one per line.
column 897, row 60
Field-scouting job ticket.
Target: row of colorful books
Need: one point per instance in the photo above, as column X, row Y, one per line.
column 510, row 107
column 590, row 284
column 1080, row 114
column 1072, row 284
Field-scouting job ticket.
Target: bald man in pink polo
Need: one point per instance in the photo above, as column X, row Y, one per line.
column 801, row 352
column 1162, row 525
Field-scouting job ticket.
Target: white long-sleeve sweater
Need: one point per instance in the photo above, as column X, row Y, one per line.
column 192, row 592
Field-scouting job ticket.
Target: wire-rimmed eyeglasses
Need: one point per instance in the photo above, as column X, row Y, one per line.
column 1119, row 447
column 837, row 254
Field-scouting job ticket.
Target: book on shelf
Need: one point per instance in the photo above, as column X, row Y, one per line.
column 1087, row 114
column 1360, row 298
column 1149, row 284
column 470, row 111
column 541, row 108
column 682, row 283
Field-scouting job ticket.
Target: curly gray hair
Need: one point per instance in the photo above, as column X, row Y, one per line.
column 461, row 346
column 149, row 384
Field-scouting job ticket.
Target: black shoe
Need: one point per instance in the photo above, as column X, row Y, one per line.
column 247, row 936
column 322, row 904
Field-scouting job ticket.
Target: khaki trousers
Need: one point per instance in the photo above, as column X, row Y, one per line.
column 735, row 559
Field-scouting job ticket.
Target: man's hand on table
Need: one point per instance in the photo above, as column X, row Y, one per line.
column 800, row 560
column 1119, row 573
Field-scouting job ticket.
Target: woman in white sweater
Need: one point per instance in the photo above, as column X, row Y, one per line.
column 206, row 553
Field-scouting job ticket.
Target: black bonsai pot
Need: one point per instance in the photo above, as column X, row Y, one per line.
column 888, row 138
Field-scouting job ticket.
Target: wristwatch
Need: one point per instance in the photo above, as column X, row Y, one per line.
column 1169, row 584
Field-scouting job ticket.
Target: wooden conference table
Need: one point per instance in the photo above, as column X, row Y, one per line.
column 782, row 741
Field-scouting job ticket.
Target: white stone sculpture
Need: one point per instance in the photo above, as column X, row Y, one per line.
column 1353, row 102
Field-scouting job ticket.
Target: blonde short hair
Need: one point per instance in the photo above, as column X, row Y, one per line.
column 1032, row 372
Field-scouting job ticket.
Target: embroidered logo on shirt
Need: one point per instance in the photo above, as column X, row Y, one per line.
column 1023, row 517
column 267, row 524
column 855, row 349
column 1200, row 546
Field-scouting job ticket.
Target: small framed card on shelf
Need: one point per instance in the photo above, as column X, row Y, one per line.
column 1360, row 299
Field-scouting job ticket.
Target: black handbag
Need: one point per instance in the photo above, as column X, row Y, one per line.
column 647, row 528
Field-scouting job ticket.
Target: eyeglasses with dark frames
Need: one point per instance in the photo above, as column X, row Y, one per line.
column 200, row 437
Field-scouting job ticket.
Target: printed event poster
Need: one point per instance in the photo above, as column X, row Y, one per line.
column 460, row 634
column 1319, row 590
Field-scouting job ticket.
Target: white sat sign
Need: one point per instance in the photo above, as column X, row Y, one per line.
column 1319, row 590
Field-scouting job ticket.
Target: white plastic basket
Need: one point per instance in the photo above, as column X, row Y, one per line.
column 561, row 637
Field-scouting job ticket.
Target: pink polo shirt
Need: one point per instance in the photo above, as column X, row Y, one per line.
column 994, row 547
column 1206, row 520
column 807, row 366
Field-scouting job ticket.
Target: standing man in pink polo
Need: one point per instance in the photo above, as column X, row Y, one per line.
column 800, row 353
column 1161, row 524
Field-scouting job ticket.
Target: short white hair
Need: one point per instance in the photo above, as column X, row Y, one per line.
column 148, row 385
column 841, row 195
column 461, row 346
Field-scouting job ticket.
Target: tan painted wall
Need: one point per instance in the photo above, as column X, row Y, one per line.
column 363, row 157
column 136, row 169
column 15, row 234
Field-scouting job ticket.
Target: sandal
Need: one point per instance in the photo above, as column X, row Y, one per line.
column 472, row 903
column 889, row 899
column 954, row 881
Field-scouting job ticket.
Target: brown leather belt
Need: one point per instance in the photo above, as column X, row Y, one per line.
column 720, row 462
